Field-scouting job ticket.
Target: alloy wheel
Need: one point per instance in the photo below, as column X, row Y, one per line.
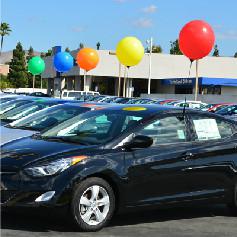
column 94, row 205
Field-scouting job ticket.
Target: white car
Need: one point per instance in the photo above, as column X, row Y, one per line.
column 191, row 104
column 72, row 95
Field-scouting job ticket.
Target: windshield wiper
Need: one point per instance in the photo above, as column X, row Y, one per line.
column 64, row 139
column 21, row 127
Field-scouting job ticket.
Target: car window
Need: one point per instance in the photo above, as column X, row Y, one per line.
column 74, row 94
column 210, row 128
column 131, row 121
column 169, row 129
column 65, row 94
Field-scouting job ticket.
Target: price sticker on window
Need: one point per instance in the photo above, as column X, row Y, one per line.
column 206, row 129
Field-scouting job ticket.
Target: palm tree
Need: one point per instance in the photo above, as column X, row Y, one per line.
column 4, row 30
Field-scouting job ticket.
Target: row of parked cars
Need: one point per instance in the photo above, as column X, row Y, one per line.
column 102, row 155
column 226, row 109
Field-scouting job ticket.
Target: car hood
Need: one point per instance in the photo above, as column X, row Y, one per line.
column 21, row 152
column 9, row 134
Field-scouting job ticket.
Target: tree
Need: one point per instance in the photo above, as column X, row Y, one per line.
column 174, row 47
column 98, row 45
column 4, row 30
column 4, row 83
column 216, row 51
column 17, row 68
column 155, row 49
column 42, row 54
column 67, row 50
column 30, row 53
column 29, row 75
column 235, row 55
column 81, row 46
column 49, row 53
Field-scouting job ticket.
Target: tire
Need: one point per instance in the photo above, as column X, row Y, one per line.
column 233, row 205
column 93, row 204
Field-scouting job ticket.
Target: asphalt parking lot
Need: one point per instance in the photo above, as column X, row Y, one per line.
column 177, row 222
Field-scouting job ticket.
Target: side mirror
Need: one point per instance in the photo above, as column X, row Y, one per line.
column 139, row 142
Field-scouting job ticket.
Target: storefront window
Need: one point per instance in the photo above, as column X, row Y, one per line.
column 211, row 90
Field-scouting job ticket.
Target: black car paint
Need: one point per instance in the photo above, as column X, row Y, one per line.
column 140, row 177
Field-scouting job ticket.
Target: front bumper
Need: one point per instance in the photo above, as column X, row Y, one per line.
column 18, row 189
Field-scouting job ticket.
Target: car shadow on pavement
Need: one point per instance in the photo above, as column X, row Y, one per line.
column 169, row 214
column 38, row 220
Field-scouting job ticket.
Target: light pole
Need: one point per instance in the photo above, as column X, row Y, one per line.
column 150, row 45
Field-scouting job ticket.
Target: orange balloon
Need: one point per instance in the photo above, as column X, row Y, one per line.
column 87, row 58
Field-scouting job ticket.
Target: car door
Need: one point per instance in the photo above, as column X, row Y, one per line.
column 159, row 173
column 214, row 154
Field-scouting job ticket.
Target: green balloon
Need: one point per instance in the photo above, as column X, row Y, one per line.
column 36, row 65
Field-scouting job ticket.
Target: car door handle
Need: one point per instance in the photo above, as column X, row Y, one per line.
column 187, row 156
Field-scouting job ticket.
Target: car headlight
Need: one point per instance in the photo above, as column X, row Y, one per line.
column 54, row 167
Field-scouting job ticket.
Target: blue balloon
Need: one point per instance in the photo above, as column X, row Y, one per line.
column 63, row 61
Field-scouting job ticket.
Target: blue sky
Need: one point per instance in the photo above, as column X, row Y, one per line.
column 45, row 23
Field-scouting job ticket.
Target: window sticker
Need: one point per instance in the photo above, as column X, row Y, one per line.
column 206, row 129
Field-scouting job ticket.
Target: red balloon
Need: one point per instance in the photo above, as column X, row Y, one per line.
column 196, row 39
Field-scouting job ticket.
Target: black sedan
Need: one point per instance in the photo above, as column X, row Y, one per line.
column 123, row 157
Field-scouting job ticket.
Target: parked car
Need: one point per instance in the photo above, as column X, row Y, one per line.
column 29, row 108
column 123, row 157
column 121, row 100
column 229, row 112
column 7, row 99
column 39, row 94
column 43, row 120
column 84, row 98
column 216, row 107
column 109, row 99
column 164, row 101
column 190, row 104
column 9, row 105
column 141, row 101
column 98, row 98
column 72, row 95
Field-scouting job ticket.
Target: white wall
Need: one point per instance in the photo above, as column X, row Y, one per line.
column 227, row 90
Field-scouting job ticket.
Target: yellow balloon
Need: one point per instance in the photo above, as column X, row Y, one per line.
column 129, row 51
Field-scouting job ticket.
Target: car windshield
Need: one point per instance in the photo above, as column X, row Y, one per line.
column 121, row 100
column 24, row 110
column 228, row 110
column 97, row 98
column 13, row 104
column 47, row 118
column 95, row 127
column 4, row 100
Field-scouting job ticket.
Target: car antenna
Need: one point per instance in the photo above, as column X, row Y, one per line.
column 184, row 108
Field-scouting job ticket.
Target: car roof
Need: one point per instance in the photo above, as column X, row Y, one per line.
column 142, row 109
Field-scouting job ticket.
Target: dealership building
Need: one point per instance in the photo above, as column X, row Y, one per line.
column 171, row 75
